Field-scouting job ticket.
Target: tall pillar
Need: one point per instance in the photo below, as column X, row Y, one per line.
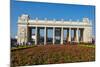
column 45, row 36
column 69, row 37
column 77, row 36
column 62, row 35
column 36, row 36
column 53, row 35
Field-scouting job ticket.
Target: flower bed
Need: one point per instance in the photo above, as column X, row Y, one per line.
column 52, row 54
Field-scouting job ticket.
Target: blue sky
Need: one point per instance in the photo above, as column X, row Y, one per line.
column 54, row 10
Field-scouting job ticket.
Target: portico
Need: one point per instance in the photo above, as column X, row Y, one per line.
column 81, row 30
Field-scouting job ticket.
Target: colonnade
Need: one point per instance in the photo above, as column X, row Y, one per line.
column 76, row 38
column 84, row 26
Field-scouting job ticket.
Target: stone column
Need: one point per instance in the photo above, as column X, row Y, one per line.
column 69, row 37
column 36, row 36
column 62, row 35
column 53, row 35
column 77, row 36
column 45, row 36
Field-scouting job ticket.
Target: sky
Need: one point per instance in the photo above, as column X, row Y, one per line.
column 50, row 11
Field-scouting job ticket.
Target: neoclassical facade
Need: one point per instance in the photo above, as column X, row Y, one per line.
column 25, row 24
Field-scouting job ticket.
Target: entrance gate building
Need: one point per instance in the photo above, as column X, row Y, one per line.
column 25, row 25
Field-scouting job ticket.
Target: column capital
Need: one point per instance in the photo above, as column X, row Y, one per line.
column 77, row 28
column 54, row 27
column 70, row 28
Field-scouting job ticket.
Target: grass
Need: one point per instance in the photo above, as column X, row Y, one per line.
column 91, row 46
column 22, row 47
column 52, row 54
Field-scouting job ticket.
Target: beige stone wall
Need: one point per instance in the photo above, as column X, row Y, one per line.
column 22, row 34
column 87, row 35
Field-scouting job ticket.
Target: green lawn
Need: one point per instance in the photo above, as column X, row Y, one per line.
column 91, row 46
